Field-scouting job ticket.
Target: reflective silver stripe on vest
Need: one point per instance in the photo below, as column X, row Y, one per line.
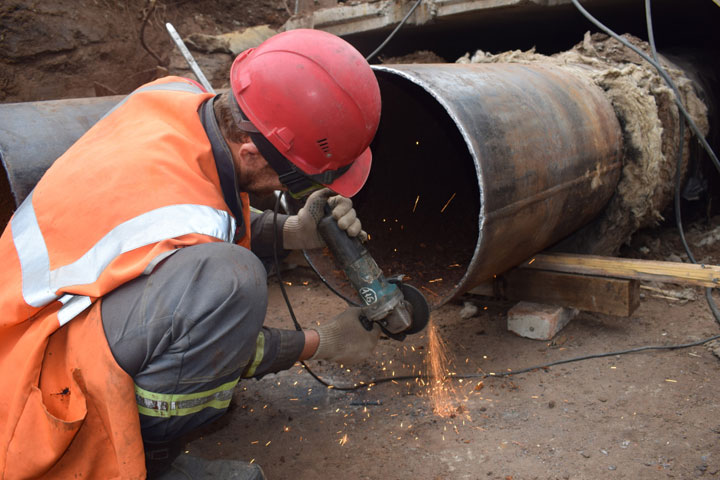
column 170, row 87
column 33, row 255
column 73, row 305
column 39, row 283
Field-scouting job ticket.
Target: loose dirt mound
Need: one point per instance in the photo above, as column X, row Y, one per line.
column 69, row 49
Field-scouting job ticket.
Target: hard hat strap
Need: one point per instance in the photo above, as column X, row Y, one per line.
column 243, row 123
column 296, row 181
column 224, row 164
column 329, row 176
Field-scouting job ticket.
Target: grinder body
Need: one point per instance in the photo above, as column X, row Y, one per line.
column 398, row 308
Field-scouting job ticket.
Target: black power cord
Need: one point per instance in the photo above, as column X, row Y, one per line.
column 328, row 284
column 678, row 176
column 548, row 365
column 395, row 30
column 685, row 116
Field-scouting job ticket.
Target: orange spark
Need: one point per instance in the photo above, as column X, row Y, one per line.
column 427, row 289
column 447, row 203
column 442, row 393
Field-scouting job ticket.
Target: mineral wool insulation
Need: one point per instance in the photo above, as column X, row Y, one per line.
column 649, row 118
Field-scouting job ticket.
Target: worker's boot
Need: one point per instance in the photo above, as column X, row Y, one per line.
column 188, row 467
column 159, row 456
column 164, row 462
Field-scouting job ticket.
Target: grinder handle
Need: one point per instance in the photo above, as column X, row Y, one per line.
column 344, row 248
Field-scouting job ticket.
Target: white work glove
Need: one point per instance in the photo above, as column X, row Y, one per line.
column 300, row 231
column 344, row 339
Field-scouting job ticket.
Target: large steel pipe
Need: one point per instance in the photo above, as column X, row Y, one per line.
column 478, row 167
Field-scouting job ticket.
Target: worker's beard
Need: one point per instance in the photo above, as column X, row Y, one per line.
column 261, row 182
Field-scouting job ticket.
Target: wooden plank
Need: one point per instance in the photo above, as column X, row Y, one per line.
column 650, row 270
column 611, row 296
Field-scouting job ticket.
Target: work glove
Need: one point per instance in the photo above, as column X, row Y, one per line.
column 300, row 231
column 345, row 340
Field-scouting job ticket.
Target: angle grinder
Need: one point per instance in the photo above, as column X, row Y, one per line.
column 398, row 308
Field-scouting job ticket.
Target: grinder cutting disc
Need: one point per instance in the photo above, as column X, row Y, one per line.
column 420, row 307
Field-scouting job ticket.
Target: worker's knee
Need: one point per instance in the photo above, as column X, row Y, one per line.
column 224, row 277
column 207, row 297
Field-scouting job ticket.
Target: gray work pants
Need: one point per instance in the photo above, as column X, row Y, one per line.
column 189, row 327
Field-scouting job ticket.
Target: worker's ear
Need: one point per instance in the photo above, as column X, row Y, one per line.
column 248, row 151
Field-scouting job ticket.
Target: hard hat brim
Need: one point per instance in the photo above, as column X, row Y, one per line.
column 353, row 180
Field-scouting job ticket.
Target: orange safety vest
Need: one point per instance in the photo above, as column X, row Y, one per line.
column 139, row 184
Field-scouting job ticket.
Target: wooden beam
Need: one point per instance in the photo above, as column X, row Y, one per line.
column 611, row 296
column 649, row 270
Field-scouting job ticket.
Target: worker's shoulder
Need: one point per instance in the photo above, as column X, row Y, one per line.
column 173, row 82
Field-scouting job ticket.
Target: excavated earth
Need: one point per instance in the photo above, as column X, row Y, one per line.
column 644, row 415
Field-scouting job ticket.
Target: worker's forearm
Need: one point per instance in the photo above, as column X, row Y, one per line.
column 279, row 349
column 312, row 340
column 263, row 232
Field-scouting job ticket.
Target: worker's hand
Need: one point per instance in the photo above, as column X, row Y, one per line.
column 344, row 339
column 300, row 231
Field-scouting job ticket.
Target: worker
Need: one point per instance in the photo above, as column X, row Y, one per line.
column 133, row 287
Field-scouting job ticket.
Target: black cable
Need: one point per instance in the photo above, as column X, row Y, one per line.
column 327, row 284
column 651, row 33
column 588, row 357
column 392, row 34
column 543, row 366
column 681, row 143
column 277, row 263
column 678, row 168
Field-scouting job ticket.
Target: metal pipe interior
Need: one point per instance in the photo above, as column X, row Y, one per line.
column 478, row 167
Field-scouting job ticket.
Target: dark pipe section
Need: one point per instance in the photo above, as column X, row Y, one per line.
column 478, row 167
column 421, row 202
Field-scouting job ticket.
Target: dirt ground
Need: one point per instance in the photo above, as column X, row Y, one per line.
column 638, row 416
column 645, row 415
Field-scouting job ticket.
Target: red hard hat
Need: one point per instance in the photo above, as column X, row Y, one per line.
column 316, row 100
